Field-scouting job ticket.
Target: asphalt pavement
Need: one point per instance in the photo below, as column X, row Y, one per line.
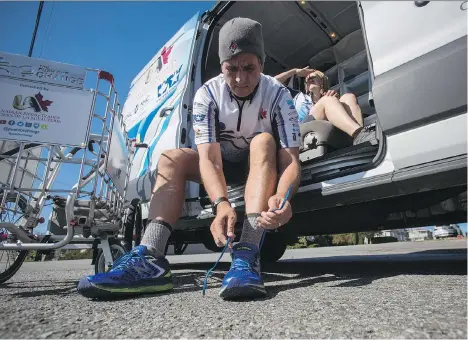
column 397, row 290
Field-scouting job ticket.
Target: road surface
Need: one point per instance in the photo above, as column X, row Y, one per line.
column 397, row 290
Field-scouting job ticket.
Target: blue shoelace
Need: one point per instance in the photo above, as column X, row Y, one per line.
column 241, row 264
column 209, row 272
column 126, row 259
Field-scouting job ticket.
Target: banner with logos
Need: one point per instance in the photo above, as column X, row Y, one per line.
column 43, row 113
column 40, row 70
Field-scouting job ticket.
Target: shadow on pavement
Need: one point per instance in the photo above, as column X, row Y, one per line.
column 347, row 271
column 352, row 271
column 64, row 288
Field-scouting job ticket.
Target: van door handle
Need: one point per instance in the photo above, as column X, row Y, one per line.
column 421, row 3
column 164, row 110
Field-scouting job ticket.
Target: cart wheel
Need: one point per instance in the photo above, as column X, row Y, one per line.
column 129, row 225
column 117, row 251
column 133, row 226
column 11, row 260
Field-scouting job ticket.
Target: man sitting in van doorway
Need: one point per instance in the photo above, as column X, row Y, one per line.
column 242, row 119
column 321, row 103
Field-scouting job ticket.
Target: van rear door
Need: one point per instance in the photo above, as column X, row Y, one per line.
column 154, row 112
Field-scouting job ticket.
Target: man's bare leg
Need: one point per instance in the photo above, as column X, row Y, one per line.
column 351, row 106
column 331, row 109
column 174, row 168
column 260, row 186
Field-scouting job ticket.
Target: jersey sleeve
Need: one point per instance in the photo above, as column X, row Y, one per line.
column 204, row 115
column 287, row 121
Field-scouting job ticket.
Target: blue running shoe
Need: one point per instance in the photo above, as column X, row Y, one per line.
column 244, row 279
column 136, row 272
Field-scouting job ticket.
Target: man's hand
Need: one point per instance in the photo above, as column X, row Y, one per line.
column 273, row 219
column 303, row 72
column 223, row 224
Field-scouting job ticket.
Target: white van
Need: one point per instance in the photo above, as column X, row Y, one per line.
column 406, row 63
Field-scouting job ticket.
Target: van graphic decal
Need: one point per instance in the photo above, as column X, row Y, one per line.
column 165, row 54
column 149, row 152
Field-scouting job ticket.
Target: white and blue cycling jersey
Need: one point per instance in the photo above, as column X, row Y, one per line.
column 219, row 117
column 303, row 103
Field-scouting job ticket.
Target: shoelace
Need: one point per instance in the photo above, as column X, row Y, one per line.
column 208, row 273
column 241, row 264
column 126, row 259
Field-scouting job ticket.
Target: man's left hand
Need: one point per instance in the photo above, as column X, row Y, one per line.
column 275, row 219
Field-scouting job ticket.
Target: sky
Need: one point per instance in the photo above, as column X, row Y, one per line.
column 118, row 37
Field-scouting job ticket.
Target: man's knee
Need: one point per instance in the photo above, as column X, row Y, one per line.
column 175, row 158
column 263, row 148
column 321, row 107
column 264, row 142
column 348, row 98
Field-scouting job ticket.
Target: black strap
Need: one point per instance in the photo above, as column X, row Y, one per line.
column 217, row 202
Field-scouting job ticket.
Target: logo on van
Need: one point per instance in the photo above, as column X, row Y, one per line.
column 165, row 54
column 37, row 103
column 170, row 81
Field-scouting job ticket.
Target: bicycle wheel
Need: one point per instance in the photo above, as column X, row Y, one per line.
column 11, row 260
column 117, row 251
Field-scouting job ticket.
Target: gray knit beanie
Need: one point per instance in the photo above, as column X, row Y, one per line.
column 240, row 35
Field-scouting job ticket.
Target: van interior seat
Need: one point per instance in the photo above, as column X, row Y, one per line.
column 346, row 67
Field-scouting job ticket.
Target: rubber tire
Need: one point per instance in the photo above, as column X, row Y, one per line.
column 128, row 228
column 139, row 227
column 100, row 255
column 273, row 248
column 8, row 274
column 210, row 244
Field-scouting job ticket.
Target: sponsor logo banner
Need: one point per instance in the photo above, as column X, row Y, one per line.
column 32, row 112
column 39, row 70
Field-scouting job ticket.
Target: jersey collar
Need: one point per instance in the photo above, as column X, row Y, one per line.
column 250, row 97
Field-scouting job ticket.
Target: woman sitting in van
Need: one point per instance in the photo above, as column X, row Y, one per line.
column 321, row 103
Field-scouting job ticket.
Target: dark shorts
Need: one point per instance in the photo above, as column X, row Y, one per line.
column 236, row 173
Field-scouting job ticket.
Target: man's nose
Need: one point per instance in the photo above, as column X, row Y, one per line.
column 240, row 77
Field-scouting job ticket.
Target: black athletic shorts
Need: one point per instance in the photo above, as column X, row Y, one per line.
column 236, row 173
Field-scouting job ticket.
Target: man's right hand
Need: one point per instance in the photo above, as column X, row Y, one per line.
column 223, row 225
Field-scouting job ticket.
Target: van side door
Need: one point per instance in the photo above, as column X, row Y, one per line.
column 417, row 52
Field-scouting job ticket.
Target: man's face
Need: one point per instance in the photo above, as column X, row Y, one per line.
column 313, row 83
column 242, row 73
